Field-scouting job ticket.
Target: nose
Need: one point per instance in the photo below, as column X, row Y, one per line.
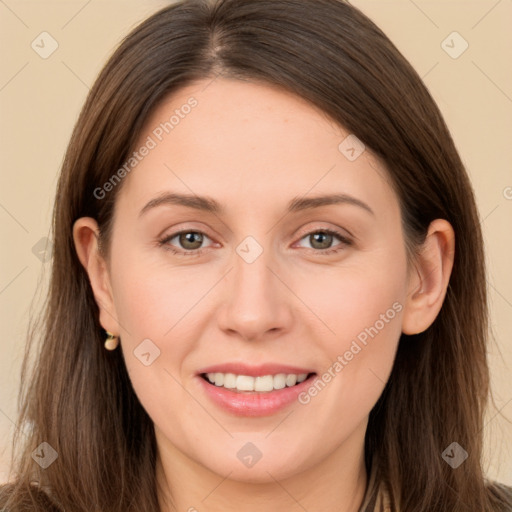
column 259, row 305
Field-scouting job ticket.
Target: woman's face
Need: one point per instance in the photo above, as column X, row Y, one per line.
column 267, row 280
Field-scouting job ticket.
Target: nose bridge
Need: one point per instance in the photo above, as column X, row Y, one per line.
column 255, row 303
column 251, row 272
column 252, row 277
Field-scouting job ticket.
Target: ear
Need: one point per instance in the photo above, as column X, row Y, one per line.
column 85, row 236
column 429, row 278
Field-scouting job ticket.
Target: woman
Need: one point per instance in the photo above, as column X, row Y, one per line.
column 268, row 286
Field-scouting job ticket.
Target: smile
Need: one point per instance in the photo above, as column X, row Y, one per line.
column 260, row 384
column 244, row 390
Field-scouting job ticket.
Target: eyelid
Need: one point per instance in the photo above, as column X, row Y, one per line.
column 163, row 241
column 341, row 232
column 303, row 233
column 344, row 241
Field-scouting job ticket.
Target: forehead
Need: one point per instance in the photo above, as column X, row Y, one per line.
column 249, row 144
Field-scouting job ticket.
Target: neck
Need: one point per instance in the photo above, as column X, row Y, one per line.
column 336, row 483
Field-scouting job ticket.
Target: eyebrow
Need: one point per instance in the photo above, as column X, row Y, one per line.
column 208, row 204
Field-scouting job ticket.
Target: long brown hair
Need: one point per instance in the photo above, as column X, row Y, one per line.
column 78, row 397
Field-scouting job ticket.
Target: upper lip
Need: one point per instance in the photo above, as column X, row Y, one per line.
column 254, row 370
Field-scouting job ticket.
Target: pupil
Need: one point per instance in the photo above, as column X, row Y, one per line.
column 188, row 238
column 326, row 237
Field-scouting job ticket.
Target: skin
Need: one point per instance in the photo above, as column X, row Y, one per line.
column 253, row 148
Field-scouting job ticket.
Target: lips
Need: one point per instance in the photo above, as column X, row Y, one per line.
column 261, row 390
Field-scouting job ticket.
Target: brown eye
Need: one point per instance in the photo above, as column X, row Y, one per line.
column 190, row 240
column 321, row 240
column 185, row 242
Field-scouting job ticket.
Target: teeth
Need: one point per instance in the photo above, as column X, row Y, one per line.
column 279, row 381
column 229, row 380
column 291, row 380
column 265, row 383
column 245, row 383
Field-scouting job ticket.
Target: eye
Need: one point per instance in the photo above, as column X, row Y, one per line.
column 189, row 241
column 321, row 240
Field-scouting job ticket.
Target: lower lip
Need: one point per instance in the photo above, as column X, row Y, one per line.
column 253, row 403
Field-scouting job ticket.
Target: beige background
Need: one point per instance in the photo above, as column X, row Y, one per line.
column 40, row 100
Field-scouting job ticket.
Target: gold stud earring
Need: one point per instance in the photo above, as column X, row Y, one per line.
column 111, row 342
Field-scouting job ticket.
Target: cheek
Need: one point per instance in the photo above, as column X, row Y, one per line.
column 359, row 310
column 152, row 298
column 365, row 294
column 155, row 302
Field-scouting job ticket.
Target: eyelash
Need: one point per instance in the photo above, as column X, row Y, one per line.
column 345, row 242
